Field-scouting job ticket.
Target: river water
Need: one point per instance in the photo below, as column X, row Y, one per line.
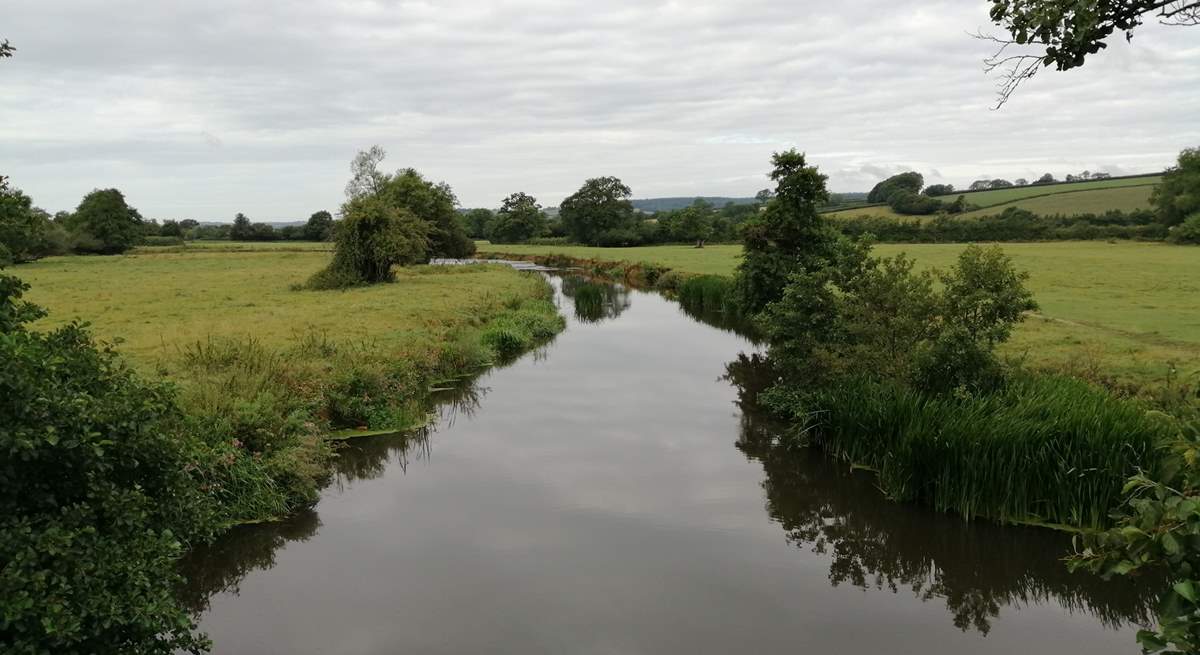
column 609, row 494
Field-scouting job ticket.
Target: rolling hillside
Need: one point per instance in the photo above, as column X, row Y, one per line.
column 1093, row 196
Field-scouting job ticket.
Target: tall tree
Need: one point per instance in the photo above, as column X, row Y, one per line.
column 520, row 219
column 789, row 236
column 600, row 207
column 911, row 181
column 319, row 226
column 407, row 189
column 1068, row 31
column 109, row 224
column 242, row 230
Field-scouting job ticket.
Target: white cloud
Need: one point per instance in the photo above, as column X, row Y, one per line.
column 204, row 110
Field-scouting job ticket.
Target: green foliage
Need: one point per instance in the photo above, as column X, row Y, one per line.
column 373, row 237
column 938, row 190
column 1042, row 448
column 408, row 191
column 878, row 315
column 26, row 232
column 883, row 191
column 1178, row 196
column 1188, row 231
column 1012, row 224
column 788, row 237
column 319, row 226
column 530, row 323
column 705, row 294
column 96, row 498
column 520, row 219
column 105, row 223
column 600, row 213
column 1070, row 32
column 477, row 221
column 1158, row 527
column 909, row 203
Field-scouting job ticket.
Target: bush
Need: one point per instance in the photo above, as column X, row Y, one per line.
column 1188, row 231
column 162, row 241
column 371, row 239
column 96, row 501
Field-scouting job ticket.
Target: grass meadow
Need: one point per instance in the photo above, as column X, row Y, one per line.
column 1120, row 313
column 1095, row 197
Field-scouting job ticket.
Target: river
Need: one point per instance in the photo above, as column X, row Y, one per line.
column 610, row 494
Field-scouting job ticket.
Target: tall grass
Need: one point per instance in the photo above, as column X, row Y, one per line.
column 707, row 294
column 1044, row 449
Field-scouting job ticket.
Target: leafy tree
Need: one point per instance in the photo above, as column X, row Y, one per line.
column 906, row 202
column 980, row 185
column 1178, row 195
column 477, row 221
column 6, row 49
column 373, row 237
column 599, row 213
column 1067, row 31
column 1045, row 179
column 319, row 226
column 695, row 223
column 934, row 190
column 171, row 228
column 520, row 219
column 999, row 184
column 26, row 233
column 433, row 203
column 788, row 237
column 242, row 229
column 910, row 181
column 861, row 316
column 107, row 222
column 96, row 498
column 1020, row 181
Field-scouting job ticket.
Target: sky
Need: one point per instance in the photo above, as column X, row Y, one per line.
column 203, row 110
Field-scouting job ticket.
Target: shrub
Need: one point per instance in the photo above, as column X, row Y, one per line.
column 1188, row 231
column 371, row 239
column 96, row 498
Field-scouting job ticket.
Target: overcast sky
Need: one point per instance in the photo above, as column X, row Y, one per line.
column 201, row 110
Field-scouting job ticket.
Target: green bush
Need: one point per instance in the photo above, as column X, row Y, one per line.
column 1188, row 231
column 372, row 238
column 97, row 496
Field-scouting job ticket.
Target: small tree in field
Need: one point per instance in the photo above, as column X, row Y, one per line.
column 107, row 223
column 373, row 237
column 520, row 219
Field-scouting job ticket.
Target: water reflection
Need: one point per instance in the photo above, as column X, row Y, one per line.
column 976, row 568
column 595, row 301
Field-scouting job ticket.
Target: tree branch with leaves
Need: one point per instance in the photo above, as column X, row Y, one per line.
column 1067, row 31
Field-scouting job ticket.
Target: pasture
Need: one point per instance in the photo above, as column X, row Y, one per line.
column 1123, row 313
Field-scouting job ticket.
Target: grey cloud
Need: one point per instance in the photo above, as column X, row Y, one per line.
column 494, row 97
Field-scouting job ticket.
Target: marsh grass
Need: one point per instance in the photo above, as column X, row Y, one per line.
column 1044, row 449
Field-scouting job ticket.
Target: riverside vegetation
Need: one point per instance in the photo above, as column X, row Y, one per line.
column 894, row 368
column 113, row 469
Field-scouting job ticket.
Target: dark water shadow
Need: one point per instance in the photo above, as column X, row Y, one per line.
column 595, row 301
column 976, row 568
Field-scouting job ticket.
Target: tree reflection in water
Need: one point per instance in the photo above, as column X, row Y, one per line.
column 595, row 301
column 977, row 568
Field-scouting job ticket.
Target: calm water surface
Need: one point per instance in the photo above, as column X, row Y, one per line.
column 608, row 494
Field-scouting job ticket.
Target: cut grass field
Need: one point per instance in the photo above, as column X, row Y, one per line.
column 1121, row 312
column 160, row 302
column 1097, row 196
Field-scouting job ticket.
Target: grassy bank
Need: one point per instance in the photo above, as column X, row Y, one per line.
column 1121, row 314
column 267, row 374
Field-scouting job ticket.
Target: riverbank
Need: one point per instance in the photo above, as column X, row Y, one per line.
column 1122, row 315
column 266, row 375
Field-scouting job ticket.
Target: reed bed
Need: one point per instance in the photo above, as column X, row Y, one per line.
column 1045, row 449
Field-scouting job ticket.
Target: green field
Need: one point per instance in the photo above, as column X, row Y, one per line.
column 1122, row 311
column 160, row 302
column 1096, row 196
